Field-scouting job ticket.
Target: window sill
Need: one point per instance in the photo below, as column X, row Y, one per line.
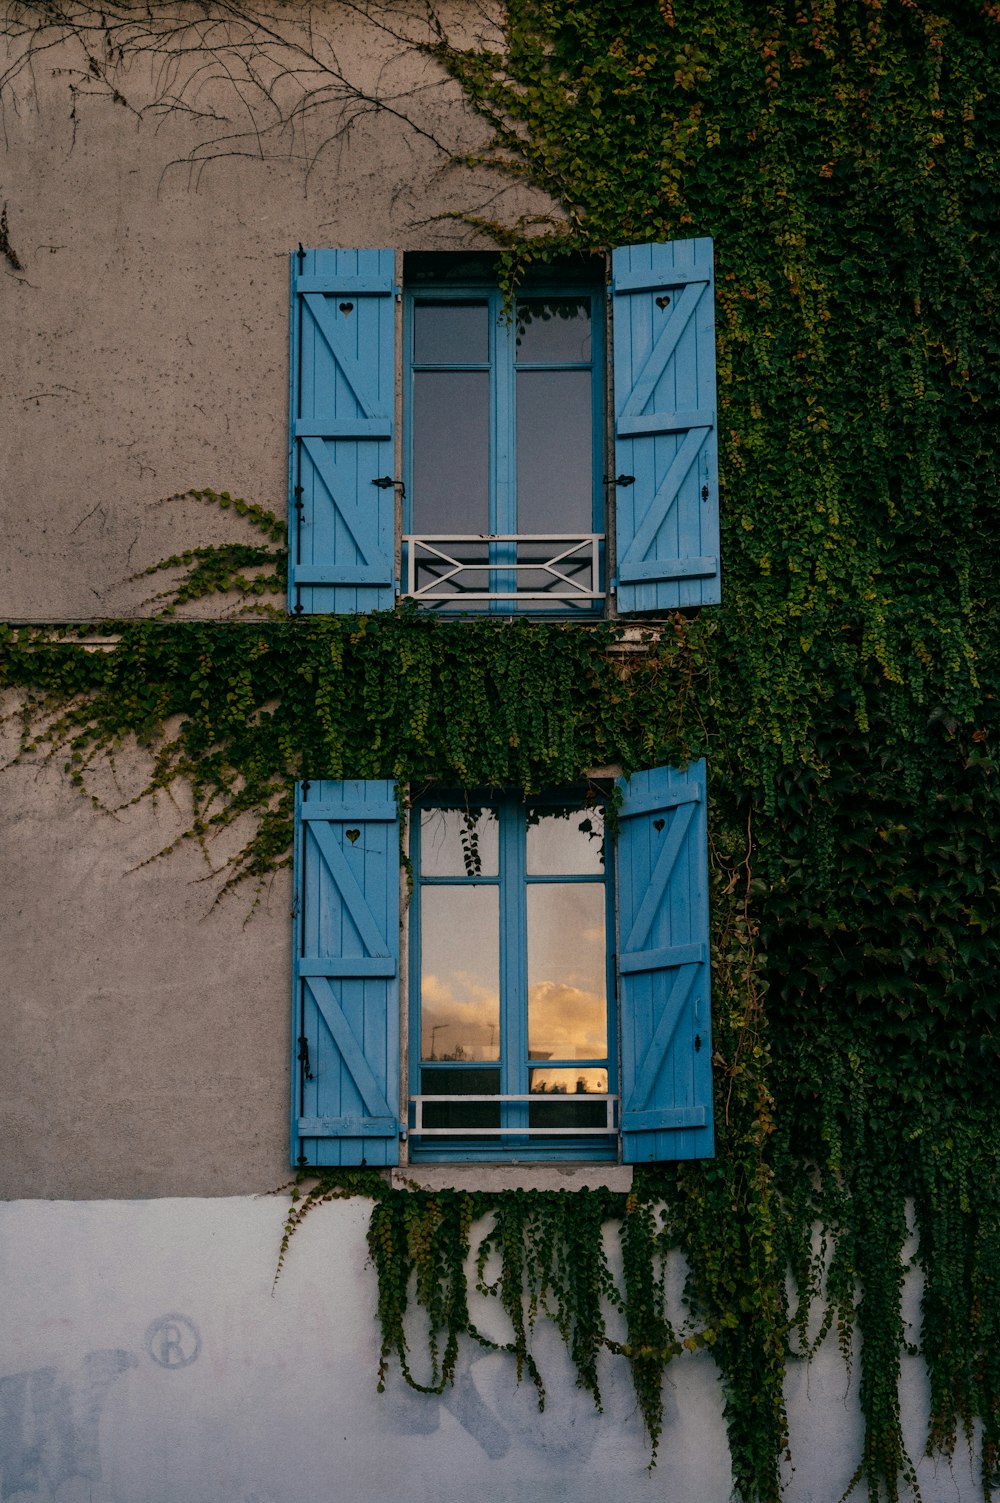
column 488, row 1177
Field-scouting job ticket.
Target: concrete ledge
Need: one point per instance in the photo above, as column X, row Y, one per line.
column 513, row 1177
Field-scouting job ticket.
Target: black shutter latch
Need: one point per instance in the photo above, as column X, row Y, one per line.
column 386, row 483
column 303, row 1057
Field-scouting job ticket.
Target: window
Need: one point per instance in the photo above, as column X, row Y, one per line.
column 504, row 440
column 498, row 494
column 511, row 1029
column 528, row 1038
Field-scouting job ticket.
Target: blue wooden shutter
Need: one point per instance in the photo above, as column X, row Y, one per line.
column 663, row 967
column 345, row 1067
column 666, row 440
column 342, row 536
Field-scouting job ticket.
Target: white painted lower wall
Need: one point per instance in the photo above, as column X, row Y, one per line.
column 145, row 1359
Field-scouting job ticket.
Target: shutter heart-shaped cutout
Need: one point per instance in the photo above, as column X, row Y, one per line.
column 346, row 307
column 663, row 302
column 658, row 825
column 352, row 835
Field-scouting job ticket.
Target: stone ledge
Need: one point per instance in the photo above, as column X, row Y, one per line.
column 616, row 1177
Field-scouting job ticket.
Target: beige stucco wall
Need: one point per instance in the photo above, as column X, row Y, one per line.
column 144, row 350
column 145, row 1032
column 144, row 342
column 146, row 1021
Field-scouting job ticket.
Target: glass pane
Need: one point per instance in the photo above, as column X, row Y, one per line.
column 554, row 329
column 461, row 1083
column 564, row 842
column 565, row 1103
column 568, row 1082
column 459, row 973
column 450, row 333
column 451, row 451
column 554, row 451
column 567, row 985
column 458, row 842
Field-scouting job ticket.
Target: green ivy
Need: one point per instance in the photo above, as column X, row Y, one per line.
column 247, row 571
column 842, row 156
column 238, row 711
column 550, row 1260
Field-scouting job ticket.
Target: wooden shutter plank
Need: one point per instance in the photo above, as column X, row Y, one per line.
column 680, row 568
column 350, row 1050
column 666, row 422
column 670, row 1119
column 663, row 501
column 343, row 369
column 664, row 959
column 369, row 285
column 337, row 473
column 658, row 878
column 346, row 1029
column 342, row 428
column 658, row 798
column 354, row 899
column 357, row 374
column 347, row 965
column 663, row 350
column 657, row 1046
column 359, row 574
column 327, row 813
column 631, row 278
column 667, row 524
column 663, row 966
column 341, row 1127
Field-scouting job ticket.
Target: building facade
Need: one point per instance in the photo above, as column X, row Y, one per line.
column 180, row 230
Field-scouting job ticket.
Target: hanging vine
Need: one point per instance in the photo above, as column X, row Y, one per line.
column 842, row 157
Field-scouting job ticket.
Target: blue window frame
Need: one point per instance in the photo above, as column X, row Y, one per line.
column 500, row 491
column 503, row 440
column 512, row 901
column 512, row 1027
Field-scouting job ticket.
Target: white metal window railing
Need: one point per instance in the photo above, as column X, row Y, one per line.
column 540, row 567
column 536, row 1098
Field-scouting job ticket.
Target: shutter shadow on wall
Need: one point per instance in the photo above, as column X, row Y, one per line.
column 345, row 1099
column 666, row 439
column 342, row 524
column 663, row 966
